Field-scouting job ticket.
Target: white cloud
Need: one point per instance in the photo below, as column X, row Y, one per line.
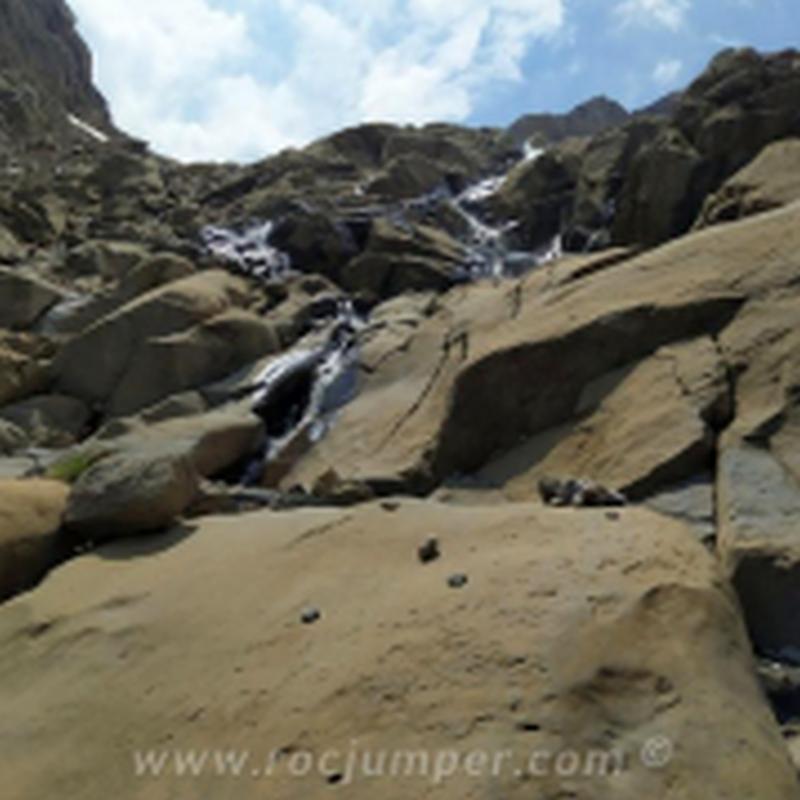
column 198, row 82
column 667, row 72
column 670, row 14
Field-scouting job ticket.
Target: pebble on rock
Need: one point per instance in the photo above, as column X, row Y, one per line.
column 458, row 581
column 429, row 551
column 310, row 616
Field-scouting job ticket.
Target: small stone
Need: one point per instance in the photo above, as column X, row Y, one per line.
column 614, row 516
column 457, row 581
column 310, row 616
column 429, row 551
column 390, row 505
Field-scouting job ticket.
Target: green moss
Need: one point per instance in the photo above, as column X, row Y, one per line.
column 72, row 466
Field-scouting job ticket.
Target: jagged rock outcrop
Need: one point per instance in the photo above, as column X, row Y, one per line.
column 586, row 119
column 741, row 103
column 45, row 75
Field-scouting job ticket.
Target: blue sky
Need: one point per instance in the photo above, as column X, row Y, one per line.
column 239, row 79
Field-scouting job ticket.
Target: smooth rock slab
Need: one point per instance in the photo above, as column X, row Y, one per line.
column 577, row 634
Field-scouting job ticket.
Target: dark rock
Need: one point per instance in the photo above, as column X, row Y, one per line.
column 310, row 616
column 458, row 581
column 429, row 551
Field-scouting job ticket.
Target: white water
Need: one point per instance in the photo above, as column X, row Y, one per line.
column 332, row 366
column 249, row 250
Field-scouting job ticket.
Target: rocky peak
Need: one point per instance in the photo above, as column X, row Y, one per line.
column 45, row 78
column 587, row 119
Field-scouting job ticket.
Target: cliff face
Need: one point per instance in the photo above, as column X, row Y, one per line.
column 45, row 75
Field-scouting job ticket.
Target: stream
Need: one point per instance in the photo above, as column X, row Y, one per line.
column 299, row 392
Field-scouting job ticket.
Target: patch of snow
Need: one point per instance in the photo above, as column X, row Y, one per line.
column 88, row 129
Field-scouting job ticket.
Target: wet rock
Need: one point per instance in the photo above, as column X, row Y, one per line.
column 24, row 298
column 538, row 195
column 399, row 259
column 30, row 521
column 314, row 241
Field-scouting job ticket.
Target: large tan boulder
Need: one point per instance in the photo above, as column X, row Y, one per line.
column 189, row 359
column 770, row 181
column 24, row 298
column 30, row 520
column 93, row 364
column 640, row 429
column 594, row 644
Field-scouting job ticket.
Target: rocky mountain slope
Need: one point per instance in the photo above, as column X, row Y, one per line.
column 432, row 442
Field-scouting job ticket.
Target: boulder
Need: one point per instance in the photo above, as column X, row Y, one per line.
column 407, row 176
column 640, row 429
column 12, row 438
column 212, row 442
column 145, row 274
column 10, row 249
column 614, row 641
column 315, row 241
column 539, row 196
column 92, row 365
column 130, row 493
column 30, row 520
column 770, row 181
column 24, row 298
column 662, row 191
column 405, row 259
column 49, row 420
column 24, row 361
column 166, row 365
column 109, row 260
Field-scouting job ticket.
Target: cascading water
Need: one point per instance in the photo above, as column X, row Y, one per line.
column 299, row 392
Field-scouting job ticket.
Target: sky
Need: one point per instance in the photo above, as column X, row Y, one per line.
column 236, row 80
